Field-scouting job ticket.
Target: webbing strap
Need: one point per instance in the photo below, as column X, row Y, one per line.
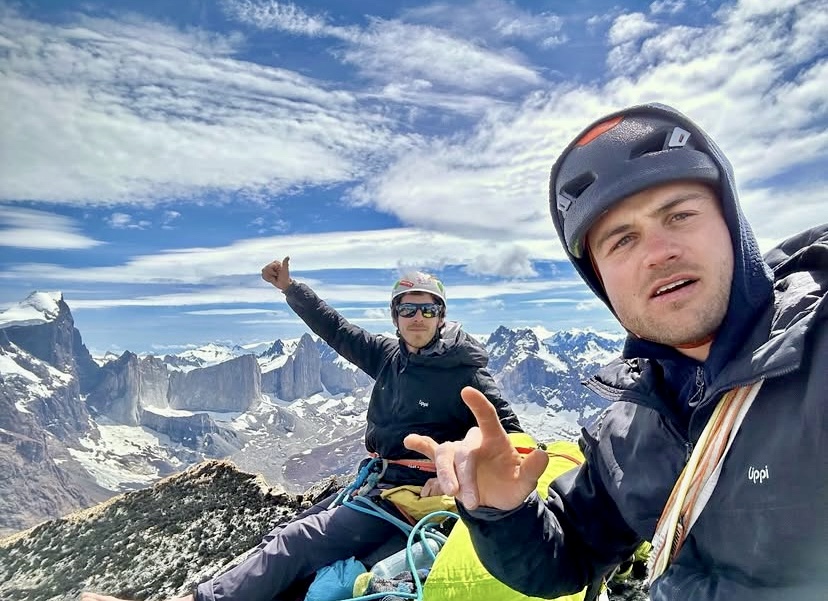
column 699, row 477
column 426, row 465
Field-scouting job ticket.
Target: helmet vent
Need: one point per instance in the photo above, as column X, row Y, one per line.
column 653, row 143
column 578, row 185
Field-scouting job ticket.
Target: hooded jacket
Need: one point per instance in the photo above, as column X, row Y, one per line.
column 413, row 393
column 763, row 534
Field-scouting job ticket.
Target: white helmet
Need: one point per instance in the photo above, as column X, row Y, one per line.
column 417, row 281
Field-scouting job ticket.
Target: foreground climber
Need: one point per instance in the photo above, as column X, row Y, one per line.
column 714, row 446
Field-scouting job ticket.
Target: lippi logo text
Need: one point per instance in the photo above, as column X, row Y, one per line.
column 758, row 475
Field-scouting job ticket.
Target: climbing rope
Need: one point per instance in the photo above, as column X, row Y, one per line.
column 354, row 497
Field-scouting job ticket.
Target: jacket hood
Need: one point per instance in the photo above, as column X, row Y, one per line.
column 800, row 268
column 751, row 288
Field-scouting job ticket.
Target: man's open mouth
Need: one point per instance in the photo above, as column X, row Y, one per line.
column 673, row 286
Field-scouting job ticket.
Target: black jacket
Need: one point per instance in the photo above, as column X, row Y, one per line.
column 763, row 534
column 413, row 393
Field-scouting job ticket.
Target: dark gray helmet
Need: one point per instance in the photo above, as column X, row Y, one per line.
column 617, row 156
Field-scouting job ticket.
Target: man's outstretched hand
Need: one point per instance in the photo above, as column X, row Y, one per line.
column 277, row 273
column 483, row 469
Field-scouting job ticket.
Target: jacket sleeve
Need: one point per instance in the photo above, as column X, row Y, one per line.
column 558, row 546
column 485, row 383
column 362, row 348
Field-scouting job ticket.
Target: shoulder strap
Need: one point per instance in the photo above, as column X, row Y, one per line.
column 699, row 477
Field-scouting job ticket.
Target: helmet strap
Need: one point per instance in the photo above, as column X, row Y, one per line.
column 592, row 262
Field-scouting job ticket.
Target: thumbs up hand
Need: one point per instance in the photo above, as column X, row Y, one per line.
column 278, row 273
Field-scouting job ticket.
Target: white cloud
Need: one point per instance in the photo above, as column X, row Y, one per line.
column 396, row 50
column 285, row 16
column 481, row 18
column 630, row 28
column 213, row 312
column 34, row 229
column 804, row 204
column 516, row 263
column 593, row 22
column 334, row 293
column 103, row 111
column 590, row 305
column 558, row 300
column 392, row 50
column 270, row 224
column 310, row 252
column 483, row 307
column 667, row 6
column 201, row 296
column 733, row 77
column 377, row 314
column 123, row 221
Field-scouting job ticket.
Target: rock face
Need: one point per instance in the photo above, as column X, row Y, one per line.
column 39, row 408
column 196, row 431
column 55, row 340
column 233, row 385
column 337, row 374
column 299, row 376
column 127, row 384
column 43, row 368
column 549, row 372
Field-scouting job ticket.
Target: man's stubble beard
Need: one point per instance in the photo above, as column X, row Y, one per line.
column 694, row 324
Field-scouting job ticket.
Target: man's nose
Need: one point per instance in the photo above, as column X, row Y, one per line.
column 660, row 248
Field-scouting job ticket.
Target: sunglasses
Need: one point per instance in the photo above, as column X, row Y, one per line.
column 428, row 310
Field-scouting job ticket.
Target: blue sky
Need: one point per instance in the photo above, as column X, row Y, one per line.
column 155, row 155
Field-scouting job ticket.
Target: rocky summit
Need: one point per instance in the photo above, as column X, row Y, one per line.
column 157, row 543
column 148, row 544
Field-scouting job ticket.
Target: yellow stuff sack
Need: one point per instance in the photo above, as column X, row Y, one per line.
column 408, row 500
column 458, row 575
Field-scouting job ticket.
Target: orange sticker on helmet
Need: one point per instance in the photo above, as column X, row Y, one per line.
column 599, row 129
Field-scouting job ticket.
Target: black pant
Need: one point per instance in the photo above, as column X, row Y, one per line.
column 317, row 537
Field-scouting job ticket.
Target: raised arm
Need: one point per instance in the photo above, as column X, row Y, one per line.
column 359, row 346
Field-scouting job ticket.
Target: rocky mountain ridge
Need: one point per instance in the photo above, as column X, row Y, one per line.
column 76, row 431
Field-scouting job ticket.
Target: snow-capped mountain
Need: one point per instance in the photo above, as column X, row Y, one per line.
column 294, row 412
column 540, row 372
column 203, row 356
column 43, row 369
